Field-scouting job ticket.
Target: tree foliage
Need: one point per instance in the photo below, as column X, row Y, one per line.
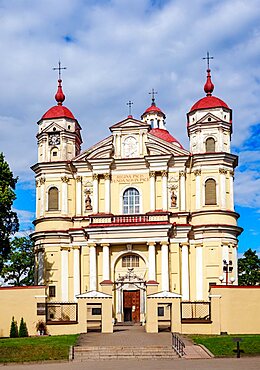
column 23, row 331
column 9, row 223
column 249, row 268
column 13, row 329
column 18, row 269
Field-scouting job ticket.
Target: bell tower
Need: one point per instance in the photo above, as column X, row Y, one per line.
column 58, row 137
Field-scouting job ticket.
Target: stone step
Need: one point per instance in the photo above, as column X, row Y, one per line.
column 105, row 353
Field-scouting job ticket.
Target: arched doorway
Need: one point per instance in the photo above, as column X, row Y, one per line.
column 130, row 270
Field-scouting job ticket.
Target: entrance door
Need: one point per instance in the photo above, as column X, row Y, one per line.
column 132, row 305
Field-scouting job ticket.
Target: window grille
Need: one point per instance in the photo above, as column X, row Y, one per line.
column 131, row 201
column 130, row 261
column 61, row 313
column 210, row 192
column 53, row 199
column 195, row 312
column 52, row 291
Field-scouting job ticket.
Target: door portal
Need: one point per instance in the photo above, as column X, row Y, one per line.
column 132, row 305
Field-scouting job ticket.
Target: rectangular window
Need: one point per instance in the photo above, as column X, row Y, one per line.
column 52, row 291
column 160, row 311
column 96, row 311
column 41, row 309
column 130, row 261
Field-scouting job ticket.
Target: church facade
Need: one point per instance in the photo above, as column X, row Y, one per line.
column 136, row 209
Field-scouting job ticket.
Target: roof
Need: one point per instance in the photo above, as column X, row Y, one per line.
column 153, row 109
column 164, row 135
column 209, row 102
column 58, row 111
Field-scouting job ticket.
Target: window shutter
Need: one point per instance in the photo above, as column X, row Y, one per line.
column 210, row 145
column 53, row 204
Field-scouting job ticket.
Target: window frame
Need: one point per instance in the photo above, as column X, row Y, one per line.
column 210, row 203
column 131, row 203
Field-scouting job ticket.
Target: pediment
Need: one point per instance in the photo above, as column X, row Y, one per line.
column 54, row 126
column 164, row 294
column 212, row 117
column 103, row 149
column 127, row 123
column 157, row 146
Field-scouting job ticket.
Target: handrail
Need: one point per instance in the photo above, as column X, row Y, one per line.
column 178, row 345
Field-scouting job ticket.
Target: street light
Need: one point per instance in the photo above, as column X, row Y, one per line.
column 227, row 268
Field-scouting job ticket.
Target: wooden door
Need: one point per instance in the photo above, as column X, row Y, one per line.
column 132, row 305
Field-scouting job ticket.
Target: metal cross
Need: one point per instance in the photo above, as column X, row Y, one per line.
column 208, row 58
column 153, row 93
column 59, row 69
column 130, row 103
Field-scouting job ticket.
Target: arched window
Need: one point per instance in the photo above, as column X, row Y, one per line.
column 210, row 192
column 53, row 199
column 210, row 145
column 131, row 201
column 130, row 260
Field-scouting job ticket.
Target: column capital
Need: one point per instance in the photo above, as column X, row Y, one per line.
column 222, row 171
column 151, row 243
column 39, row 249
column 65, row 179
column 107, row 176
column 75, row 247
column 232, row 173
column 42, row 180
column 186, row 244
column 79, row 178
column 197, row 172
column 63, row 248
column 95, row 176
column 105, row 245
column 164, row 243
column 92, row 244
column 182, row 174
column 199, row 245
column 164, row 173
column 152, row 173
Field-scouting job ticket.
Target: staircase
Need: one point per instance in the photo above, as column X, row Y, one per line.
column 86, row 353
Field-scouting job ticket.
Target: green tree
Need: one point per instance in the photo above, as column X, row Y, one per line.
column 249, row 268
column 23, row 331
column 13, row 329
column 9, row 223
column 18, row 269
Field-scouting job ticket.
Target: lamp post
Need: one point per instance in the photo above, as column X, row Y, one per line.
column 227, row 268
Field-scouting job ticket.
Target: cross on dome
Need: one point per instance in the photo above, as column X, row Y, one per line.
column 153, row 98
column 209, row 86
column 130, row 103
column 59, row 96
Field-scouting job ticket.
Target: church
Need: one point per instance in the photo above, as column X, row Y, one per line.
column 136, row 215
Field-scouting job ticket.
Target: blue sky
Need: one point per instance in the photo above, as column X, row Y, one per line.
column 119, row 50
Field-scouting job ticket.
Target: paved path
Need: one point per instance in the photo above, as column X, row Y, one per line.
column 212, row 364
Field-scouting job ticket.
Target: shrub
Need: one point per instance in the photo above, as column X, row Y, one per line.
column 13, row 329
column 23, row 331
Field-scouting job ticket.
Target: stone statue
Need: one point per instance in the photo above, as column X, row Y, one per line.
column 173, row 199
column 88, row 205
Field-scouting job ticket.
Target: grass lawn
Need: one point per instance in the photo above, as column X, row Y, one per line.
column 36, row 348
column 223, row 345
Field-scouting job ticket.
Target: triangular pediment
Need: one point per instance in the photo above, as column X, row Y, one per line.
column 128, row 123
column 94, row 294
column 164, row 294
column 209, row 118
column 54, row 126
column 157, row 146
column 103, row 149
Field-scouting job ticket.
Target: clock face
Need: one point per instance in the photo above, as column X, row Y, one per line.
column 130, row 149
column 54, row 139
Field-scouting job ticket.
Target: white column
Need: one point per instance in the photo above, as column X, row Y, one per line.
column 95, row 193
column 76, row 271
column 41, row 267
column 165, row 266
column 64, row 274
column 231, row 190
column 152, row 191
column 197, row 173
column 64, row 195
column 106, row 262
column 79, row 196
column 225, row 254
column 92, row 267
column 183, row 191
column 42, row 197
column 151, row 270
column 199, row 273
column 185, row 272
column 235, row 271
column 222, row 187
column 165, row 190
column 107, row 193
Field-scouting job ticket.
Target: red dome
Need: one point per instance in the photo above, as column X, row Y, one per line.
column 155, row 109
column 209, row 102
column 164, row 135
column 58, row 111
